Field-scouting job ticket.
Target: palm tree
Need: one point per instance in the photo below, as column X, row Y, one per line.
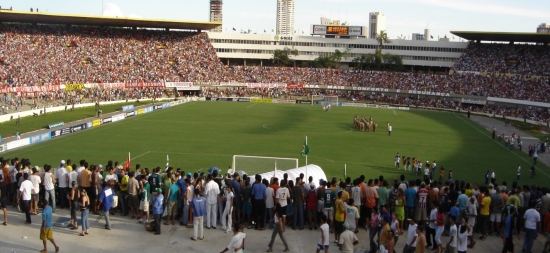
column 382, row 38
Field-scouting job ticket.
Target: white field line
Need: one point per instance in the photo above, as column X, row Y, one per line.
column 488, row 136
column 394, row 113
column 252, row 105
column 133, row 158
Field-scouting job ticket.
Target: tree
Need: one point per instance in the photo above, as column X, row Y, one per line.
column 283, row 57
column 365, row 61
column 382, row 38
column 392, row 62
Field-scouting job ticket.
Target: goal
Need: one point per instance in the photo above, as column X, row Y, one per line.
column 332, row 100
column 260, row 164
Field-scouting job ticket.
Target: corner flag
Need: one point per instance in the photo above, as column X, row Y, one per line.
column 127, row 163
column 305, row 149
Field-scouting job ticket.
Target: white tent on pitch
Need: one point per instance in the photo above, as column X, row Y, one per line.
column 309, row 170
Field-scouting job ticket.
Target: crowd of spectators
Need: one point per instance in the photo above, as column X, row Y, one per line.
column 77, row 55
column 505, row 58
column 41, row 54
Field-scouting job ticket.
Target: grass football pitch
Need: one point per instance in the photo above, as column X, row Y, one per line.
column 200, row 135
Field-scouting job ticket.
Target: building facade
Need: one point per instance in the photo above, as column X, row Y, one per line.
column 377, row 23
column 543, row 28
column 216, row 14
column 259, row 49
column 285, row 17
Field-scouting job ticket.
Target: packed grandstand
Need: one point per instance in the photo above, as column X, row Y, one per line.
column 37, row 60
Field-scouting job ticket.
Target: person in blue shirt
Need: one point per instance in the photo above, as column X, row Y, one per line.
column 158, row 210
column 199, row 211
column 410, row 197
column 258, row 206
column 46, row 230
column 455, row 212
column 106, row 198
column 509, row 231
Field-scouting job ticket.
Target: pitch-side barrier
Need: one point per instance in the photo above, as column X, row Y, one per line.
column 74, row 128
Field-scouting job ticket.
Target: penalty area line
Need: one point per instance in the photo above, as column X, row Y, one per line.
column 488, row 136
column 394, row 113
column 251, row 105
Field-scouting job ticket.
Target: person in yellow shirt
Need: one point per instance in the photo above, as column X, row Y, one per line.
column 339, row 216
column 69, row 166
column 484, row 213
column 124, row 193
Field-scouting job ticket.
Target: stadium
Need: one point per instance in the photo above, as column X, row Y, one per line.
column 170, row 94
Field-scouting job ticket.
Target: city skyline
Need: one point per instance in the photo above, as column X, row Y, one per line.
column 404, row 17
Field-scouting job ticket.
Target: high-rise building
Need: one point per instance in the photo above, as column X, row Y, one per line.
column 285, row 17
column 543, row 28
column 377, row 23
column 216, row 14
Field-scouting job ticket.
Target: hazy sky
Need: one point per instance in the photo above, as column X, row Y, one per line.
column 403, row 16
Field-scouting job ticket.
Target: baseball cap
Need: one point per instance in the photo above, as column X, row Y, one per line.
column 491, row 186
column 346, row 226
column 62, row 161
column 100, row 166
column 159, row 190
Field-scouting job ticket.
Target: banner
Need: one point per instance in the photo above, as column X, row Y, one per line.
column 140, row 111
column 295, row 86
column 148, row 109
column 108, row 85
column 71, row 87
column 241, row 99
column 473, row 101
column 107, row 120
column 232, row 84
column 96, row 122
column 157, row 107
column 268, row 100
column 54, row 125
column 166, row 105
column 40, row 137
column 179, row 84
column 284, row 101
column 128, row 108
column 256, row 100
column 31, row 89
column 303, row 102
column 143, row 85
column 78, row 127
column 17, row 144
column 266, row 85
column 118, row 117
column 130, row 114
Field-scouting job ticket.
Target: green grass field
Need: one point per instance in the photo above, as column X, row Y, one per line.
column 199, row 135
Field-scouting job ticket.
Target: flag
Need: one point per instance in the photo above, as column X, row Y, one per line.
column 264, row 31
column 431, row 36
column 127, row 163
column 305, row 149
column 234, row 29
column 272, row 30
column 167, row 161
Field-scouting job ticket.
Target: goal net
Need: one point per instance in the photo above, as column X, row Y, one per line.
column 252, row 165
column 325, row 100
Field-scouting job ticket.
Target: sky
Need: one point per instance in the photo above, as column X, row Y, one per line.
column 403, row 17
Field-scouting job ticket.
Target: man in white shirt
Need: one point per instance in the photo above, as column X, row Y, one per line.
column 352, row 215
column 25, row 192
column 49, row 186
column 211, row 190
column 269, row 204
column 237, row 241
column 410, row 246
column 532, row 223
column 73, row 177
column 36, row 181
column 462, row 237
column 79, row 171
column 282, row 196
column 453, row 236
column 347, row 239
column 62, row 184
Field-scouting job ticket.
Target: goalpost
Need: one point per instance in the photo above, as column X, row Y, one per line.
column 328, row 99
column 260, row 164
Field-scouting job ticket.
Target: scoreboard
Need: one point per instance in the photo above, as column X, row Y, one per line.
column 338, row 30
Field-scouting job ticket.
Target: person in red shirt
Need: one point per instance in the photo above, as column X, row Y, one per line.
column 547, row 229
column 370, row 199
column 311, row 206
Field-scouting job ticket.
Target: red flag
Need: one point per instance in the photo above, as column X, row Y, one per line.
column 127, row 163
